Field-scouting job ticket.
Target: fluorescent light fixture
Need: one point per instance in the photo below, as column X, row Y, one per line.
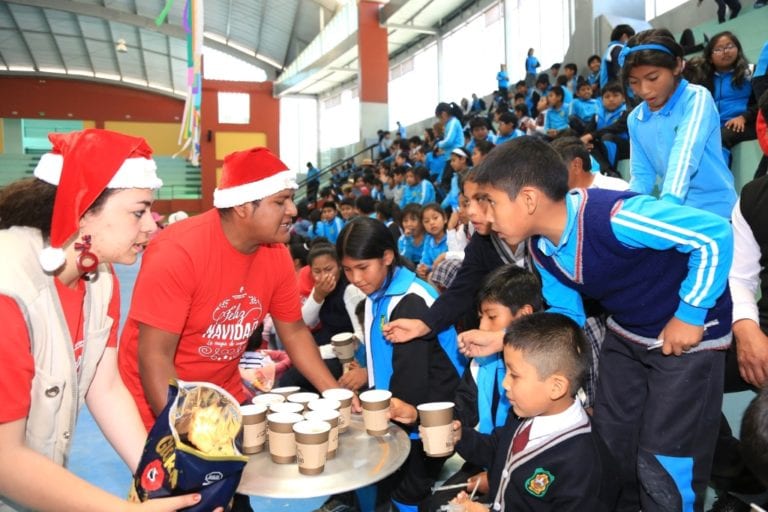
column 135, row 81
column 215, row 37
column 20, row 68
column 108, row 76
column 52, row 70
column 120, row 46
column 80, row 72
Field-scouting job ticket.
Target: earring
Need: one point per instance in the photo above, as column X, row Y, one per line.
column 86, row 261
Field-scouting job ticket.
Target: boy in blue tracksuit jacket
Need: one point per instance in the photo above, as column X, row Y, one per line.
column 417, row 189
column 330, row 224
column 659, row 271
column 584, row 106
column 675, row 132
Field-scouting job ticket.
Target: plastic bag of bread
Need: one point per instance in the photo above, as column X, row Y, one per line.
column 193, row 447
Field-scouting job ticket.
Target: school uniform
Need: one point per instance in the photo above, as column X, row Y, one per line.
column 472, row 143
column 453, row 137
column 329, row 229
column 556, row 119
column 408, row 248
column 562, row 466
column 501, row 139
column 681, row 144
column 420, row 193
column 609, row 66
column 584, row 109
column 433, row 249
column 615, row 244
column 427, row 369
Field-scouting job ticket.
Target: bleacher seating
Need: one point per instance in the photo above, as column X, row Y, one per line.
column 180, row 180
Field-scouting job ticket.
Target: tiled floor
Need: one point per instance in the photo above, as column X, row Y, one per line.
column 93, row 459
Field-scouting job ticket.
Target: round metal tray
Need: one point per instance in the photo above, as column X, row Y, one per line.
column 360, row 460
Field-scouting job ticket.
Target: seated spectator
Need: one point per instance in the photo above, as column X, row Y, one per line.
column 479, row 128
column 434, row 220
column 728, row 78
column 576, row 157
column 411, row 243
column 607, row 138
column 330, row 224
column 418, row 189
column 583, row 108
column 507, row 128
column 556, row 117
column 482, row 149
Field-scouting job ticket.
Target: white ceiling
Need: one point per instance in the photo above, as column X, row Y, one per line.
column 77, row 37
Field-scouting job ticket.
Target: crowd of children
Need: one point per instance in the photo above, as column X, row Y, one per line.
column 479, row 207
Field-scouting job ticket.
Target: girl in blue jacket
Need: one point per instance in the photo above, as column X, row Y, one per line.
column 426, row 369
column 729, row 80
column 675, row 132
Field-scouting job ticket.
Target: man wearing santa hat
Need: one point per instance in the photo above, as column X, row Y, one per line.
column 208, row 281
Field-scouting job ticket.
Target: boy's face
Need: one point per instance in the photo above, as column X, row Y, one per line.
column 476, row 208
column 397, row 178
column 522, row 89
column 477, row 156
column 410, row 178
column 509, row 218
column 526, row 391
column 328, row 214
column 585, row 92
column 519, row 101
column 495, row 316
column 479, row 132
column 553, row 100
column 412, row 225
column 594, row 65
column 347, row 211
column 458, row 163
column 504, row 129
column 569, row 73
column 612, row 100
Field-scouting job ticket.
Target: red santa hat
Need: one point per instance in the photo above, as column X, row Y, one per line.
column 251, row 175
column 82, row 165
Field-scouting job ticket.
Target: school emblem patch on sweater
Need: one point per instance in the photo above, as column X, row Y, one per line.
column 539, row 482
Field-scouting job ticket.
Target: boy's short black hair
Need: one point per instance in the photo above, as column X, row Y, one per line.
column 366, row 205
column 347, row 201
column 543, row 78
column 561, row 80
column 512, row 287
column 556, row 65
column 621, row 30
column 507, row 118
column 553, row 344
column 613, row 86
column 519, row 96
column 754, row 436
column 411, row 210
column 592, row 58
column 582, row 83
column 519, row 83
column 329, row 204
column 484, row 146
column 570, row 147
column 521, row 109
column 557, row 91
column 571, row 66
column 478, row 122
column 521, row 162
column 400, row 169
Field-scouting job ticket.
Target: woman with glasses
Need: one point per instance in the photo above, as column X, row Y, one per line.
column 728, row 78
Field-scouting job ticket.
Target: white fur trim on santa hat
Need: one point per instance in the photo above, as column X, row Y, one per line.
column 51, row 259
column 49, row 167
column 241, row 194
column 134, row 173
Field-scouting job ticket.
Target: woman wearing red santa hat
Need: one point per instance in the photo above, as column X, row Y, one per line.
column 87, row 207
